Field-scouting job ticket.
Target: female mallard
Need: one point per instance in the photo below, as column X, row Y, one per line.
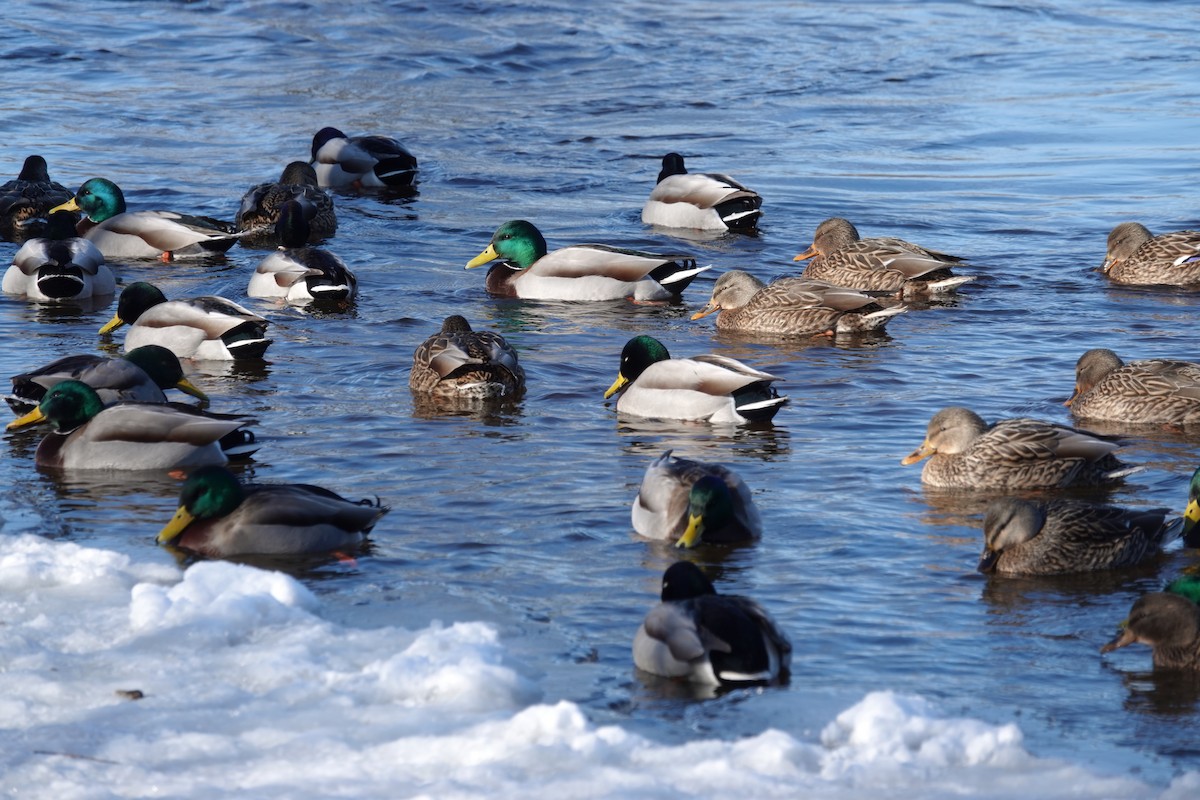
column 142, row 374
column 361, row 162
column 1061, row 536
column 884, row 264
column 297, row 272
column 689, row 502
column 128, row 435
column 143, row 234
column 220, row 517
column 792, row 307
column 579, row 272
column 708, row 201
column 709, row 638
column 1140, row 392
column 203, row 327
column 59, row 265
column 1169, row 624
column 263, row 204
column 25, row 201
column 1020, row 453
column 708, row 387
column 459, row 363
column 1136, row 257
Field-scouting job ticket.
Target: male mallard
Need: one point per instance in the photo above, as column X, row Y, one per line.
column 203, row 327
column 220, row 517
column 142, row 374
column 1135, row 256
column 59, row 265
column 143, row 234
column 709, row 638
column 1191, row 514
column 792, row 307
column 263, row 204
column 708, row 387
column 370, row 162
column 1020, row 453
column 1140, row 392
column 708, row 201
column 581, row 271
column 26, row 200
column 883, row 264
column 1060, row 536
column 459, row 363
column 297, row 272
column 689, row 502
column 129, row 435
column 1169, row 624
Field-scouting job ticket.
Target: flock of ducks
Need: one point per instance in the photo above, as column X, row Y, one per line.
column 112, row 413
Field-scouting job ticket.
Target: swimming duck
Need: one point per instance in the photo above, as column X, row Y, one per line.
column 219, row 517
column 26, row 200
column 263, row 204
column 128, row 435
column 1169, row 624
column 203, row 327
column 1060, row 536
column 143, row 234
column 1136, row 257
column 792, row 307
column 459, row 363
column 1185, row 586
column 362, row 162
column 1140, row 392
column 59, row 265
column 142, row 374
column 708, row 201
column 689, row 502
column 709, row 638
column 579, row 272
column 707, row 387
column 877, row 264
column 297, row 272
column 1019, row 453
column 1191, row 514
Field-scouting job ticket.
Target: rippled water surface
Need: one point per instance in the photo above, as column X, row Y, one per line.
column 1015, row 135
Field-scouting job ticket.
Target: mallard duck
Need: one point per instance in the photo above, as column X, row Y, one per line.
column 220, row 517
column 579, row 272
column 1191, row 514
column 1169, row 624
column 1185, row 586
column 128, row 435
column 708, row 387
column 297, row 272
column 25, row 201
column 59, row 265
column 883, row 264
column 202, row 327
column 263, row 204
column 370, row 162
column 792, row 307
column 1140, row 392
column 1137, row 257
column 709, row 638
column 708, row 201
column 459, row 363
column 143, row 234
column 689, row 502
column 1020, row 453
column 142, row 374
column 1060, row 536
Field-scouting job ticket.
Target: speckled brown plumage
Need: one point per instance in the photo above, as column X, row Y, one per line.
column 1140, row 392
column 1135, row 256
column 966, row 453
column 1062, row 536
column 457, row 362
column 262, row 205
column 1169, row 624
column 25, row 201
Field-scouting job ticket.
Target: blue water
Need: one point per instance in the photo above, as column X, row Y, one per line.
column 1013, row 135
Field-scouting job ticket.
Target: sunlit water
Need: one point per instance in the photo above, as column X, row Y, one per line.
column 1013, row 135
